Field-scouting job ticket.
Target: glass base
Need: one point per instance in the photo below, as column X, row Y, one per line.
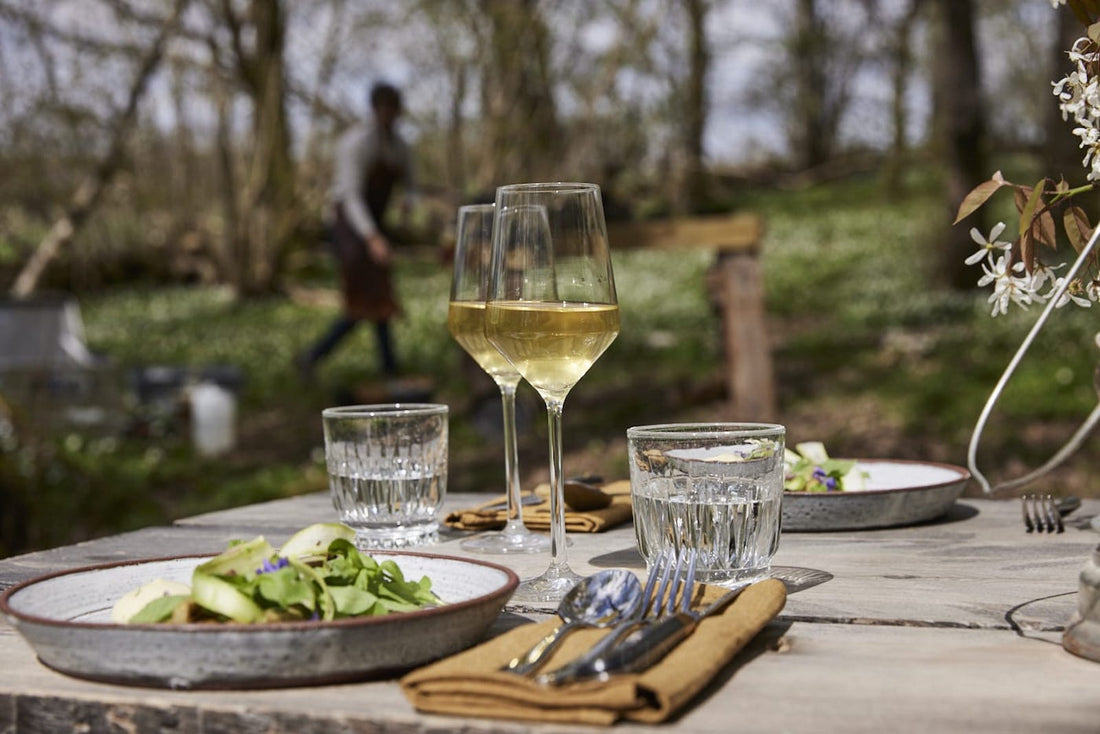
column 549, row 587
column 508, row 542
column 400, row 537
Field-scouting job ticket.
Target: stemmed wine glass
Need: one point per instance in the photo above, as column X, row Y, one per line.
column 551, row 310
column 466, row 321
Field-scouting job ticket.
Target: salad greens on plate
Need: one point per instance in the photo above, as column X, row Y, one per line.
column 809, row 469
column 318, row 574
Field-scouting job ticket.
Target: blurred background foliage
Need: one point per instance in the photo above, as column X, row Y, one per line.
column 149, row 173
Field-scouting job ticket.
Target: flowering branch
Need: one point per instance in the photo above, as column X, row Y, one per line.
column 1014, row 269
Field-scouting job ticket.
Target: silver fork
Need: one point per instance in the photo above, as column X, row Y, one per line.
column 668, row 590
column 1041, row 514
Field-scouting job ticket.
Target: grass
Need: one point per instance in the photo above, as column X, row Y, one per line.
column 870, row 358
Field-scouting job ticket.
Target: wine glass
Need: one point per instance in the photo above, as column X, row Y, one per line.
column 466, row 321
column 551, row 310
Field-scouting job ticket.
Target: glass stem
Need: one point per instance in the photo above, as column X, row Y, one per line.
column 557, row 488
column 511, row 461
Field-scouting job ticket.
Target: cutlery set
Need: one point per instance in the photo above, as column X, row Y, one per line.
column 1042, row 513
column 645, row 624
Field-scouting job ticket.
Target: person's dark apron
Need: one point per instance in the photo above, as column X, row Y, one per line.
column 367, row 284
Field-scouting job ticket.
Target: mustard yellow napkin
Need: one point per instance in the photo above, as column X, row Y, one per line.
column 471, row 683
column 537, row 517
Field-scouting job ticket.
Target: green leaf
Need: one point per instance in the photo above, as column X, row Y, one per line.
column 351, row 601
column 324, row 603
column 1027, row 250
column 285, row 588
column 159, row 609
column 1034, row 199
column 391, row 569
column 981, row 193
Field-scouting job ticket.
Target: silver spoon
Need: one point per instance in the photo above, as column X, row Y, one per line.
column 598, row 600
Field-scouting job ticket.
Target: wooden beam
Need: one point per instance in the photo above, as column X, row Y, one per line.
column 726, row 233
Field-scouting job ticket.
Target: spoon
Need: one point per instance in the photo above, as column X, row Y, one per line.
column 581, row 496
column 598, row 600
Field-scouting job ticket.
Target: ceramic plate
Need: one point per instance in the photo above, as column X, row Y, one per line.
column 66, row 619
column 897, row 493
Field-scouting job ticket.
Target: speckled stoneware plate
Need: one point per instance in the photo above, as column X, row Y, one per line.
column 897, row 493
column 66, row 619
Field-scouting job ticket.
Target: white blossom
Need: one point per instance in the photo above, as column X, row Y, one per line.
column 1041, row 275
column 987, row 246
column 1069, row 296
column 1009, row 284
column 1057, row 3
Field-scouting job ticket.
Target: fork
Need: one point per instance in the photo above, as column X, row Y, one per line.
column 668, row 589
column 1041, row 514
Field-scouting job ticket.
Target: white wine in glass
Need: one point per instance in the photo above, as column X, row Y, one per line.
column 551, row 310
column 466, row 322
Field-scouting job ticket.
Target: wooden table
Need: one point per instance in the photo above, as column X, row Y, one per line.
column 947, row 627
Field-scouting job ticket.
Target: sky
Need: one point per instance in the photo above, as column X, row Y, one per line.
column 743, row 34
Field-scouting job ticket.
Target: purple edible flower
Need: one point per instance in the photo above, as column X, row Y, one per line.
column 269, row 567
column 830, row 484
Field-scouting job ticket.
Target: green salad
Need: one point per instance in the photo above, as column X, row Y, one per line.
column 809, row 469
column 318, row 574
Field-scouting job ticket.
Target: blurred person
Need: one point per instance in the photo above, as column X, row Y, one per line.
column 371, row 160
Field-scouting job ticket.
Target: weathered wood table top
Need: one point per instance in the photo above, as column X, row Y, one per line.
column 952, row 626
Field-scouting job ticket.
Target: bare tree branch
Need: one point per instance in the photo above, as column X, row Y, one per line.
column 91, row 189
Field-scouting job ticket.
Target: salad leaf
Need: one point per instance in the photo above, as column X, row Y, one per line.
column 318, row 574
column 159, row 610
column 809, row 469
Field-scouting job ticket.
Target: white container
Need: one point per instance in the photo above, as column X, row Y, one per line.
column 213, row 419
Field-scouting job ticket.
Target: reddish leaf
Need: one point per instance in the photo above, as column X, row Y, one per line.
column 1047, row 234
column 979, row 196
column 1077, row 227
column 1020, row 194
column 1094, row 32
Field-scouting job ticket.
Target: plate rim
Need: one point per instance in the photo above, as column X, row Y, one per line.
column 962, row 472
column 506, row 589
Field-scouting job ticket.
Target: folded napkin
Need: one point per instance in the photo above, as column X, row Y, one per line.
column 488, row 516
column 470, row 683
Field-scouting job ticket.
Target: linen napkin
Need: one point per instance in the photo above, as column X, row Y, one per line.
column 470, row 683
column 537, row 517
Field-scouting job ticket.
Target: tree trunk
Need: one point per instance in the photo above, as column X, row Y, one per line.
column 522, row 136
column 456, row 143
column 900, row 71
column 265, row 204
column 325, row 70
column 960, row 127
column 812, row 141
column 695, row 106
column 271, row 212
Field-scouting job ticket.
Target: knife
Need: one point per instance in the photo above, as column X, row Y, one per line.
column 640, row 650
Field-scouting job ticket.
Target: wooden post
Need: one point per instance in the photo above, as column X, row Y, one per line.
column 737, row 286
column 749, row 374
